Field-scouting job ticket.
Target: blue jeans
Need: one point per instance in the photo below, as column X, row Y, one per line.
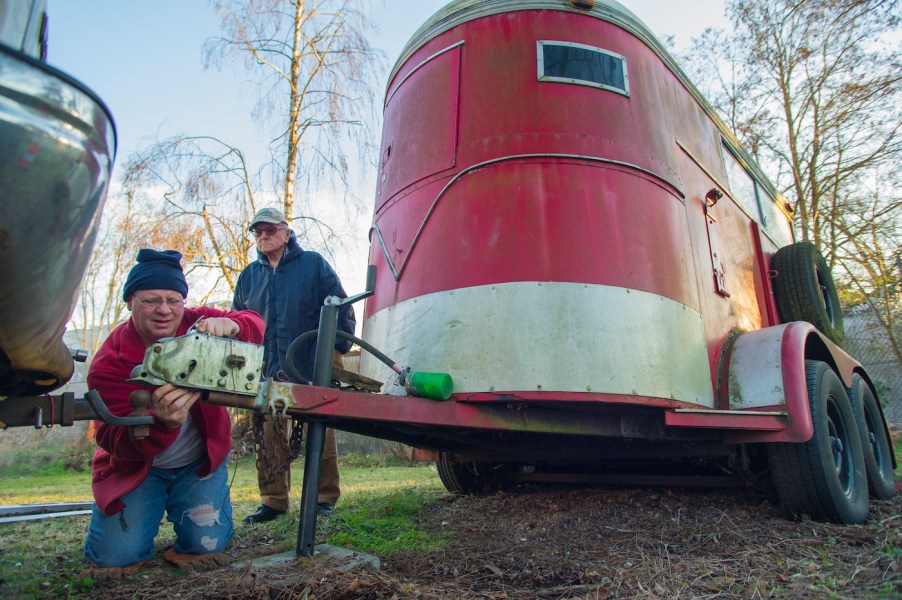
column 198, row 507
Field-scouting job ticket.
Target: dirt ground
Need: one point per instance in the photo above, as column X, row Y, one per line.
column 584, row 543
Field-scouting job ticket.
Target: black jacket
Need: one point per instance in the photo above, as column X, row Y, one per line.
column 289, row 299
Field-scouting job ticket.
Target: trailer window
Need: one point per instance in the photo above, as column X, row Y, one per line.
column 567, row 62
column 777, row 226
column 756, row 201
column 742, row 186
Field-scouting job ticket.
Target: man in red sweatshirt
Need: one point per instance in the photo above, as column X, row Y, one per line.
column 181, row 467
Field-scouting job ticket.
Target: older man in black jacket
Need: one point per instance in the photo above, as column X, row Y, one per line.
column 288, row 286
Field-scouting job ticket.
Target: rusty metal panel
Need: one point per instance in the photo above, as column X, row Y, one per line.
column 420, row 131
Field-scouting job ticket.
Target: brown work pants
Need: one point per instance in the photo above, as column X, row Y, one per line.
column 274, row 485
column 274, row 491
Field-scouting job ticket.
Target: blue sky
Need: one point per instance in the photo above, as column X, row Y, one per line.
column 143, row 58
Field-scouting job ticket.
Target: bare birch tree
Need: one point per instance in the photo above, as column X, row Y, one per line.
column 317, row 74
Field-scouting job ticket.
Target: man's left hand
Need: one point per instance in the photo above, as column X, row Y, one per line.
column 218, row 326
column 170, row 404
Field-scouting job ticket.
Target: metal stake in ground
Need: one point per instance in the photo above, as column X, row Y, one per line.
column 316, row 430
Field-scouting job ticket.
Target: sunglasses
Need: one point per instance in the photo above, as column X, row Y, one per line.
column 258, row 231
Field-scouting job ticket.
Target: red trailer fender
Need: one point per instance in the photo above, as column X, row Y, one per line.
column 767, row 373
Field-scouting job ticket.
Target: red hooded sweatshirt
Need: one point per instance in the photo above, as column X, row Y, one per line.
column 121, row 463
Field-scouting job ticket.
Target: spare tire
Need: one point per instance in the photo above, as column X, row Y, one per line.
column 804, row 289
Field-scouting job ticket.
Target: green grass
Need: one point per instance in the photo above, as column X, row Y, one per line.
column 382, row 524
column 54, row 485
column 898, row 450
column 377, row 513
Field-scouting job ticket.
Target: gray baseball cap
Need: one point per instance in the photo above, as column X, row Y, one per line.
column 268, row 215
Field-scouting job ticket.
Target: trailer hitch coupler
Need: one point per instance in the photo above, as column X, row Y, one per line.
column 437, row 386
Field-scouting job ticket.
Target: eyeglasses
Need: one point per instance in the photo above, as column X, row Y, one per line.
column 258, row 231
column 158, row 302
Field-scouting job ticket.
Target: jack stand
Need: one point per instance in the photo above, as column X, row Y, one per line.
column 316, row 430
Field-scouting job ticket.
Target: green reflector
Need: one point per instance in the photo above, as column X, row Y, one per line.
column 437, row 386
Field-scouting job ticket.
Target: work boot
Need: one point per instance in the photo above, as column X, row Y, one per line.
column 264, row 514
column 195, row 562
column 324, row 509
column 108, row 573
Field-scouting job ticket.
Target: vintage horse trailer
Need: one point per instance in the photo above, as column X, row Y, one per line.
column 565, row 225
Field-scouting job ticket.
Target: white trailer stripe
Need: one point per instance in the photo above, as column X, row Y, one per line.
column 547, row 336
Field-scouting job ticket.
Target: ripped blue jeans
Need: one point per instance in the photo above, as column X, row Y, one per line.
column 198, row 507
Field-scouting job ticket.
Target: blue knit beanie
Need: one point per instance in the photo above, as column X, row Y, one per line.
column 156, row 271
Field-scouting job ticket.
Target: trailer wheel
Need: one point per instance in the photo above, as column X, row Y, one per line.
column 465, row 478
column 878, row 452
column 804, row 289
column 824, row 477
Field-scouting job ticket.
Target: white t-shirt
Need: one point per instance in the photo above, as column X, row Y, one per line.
column 186, row 448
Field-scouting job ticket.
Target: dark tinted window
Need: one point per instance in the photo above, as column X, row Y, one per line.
column 574, row 63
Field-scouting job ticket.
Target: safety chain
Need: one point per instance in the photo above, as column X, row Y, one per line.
column 267, row 470
column 257, row 421
column 291, row 448
column 297, row 438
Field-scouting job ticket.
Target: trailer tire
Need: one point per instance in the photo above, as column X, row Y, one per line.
column 878, row 452
column 804, row 289
column 464, row 478
column 824, row 477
